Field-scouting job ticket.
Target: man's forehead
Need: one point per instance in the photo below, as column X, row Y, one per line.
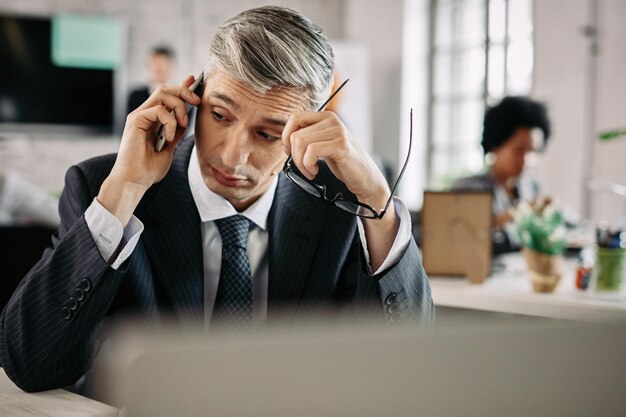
column 237, row 94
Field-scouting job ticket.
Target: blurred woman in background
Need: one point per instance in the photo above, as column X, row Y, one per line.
column 512, row 130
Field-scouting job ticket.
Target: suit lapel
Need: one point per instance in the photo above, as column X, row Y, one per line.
column 173, row 237
column 294, row 233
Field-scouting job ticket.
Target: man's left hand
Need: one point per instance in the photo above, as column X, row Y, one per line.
column 313, row 135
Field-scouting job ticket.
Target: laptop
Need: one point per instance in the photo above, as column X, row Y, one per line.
column 544, row 369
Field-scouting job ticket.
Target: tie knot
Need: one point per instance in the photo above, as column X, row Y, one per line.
column 234, row 230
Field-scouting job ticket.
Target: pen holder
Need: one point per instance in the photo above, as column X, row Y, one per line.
column 609, row 272
column 545, row 270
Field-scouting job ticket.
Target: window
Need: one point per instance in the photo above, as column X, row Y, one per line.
column 481, row 50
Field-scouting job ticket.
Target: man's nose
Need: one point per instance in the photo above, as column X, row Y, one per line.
column 235, row 150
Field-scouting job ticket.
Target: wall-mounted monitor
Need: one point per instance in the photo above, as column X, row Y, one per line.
column 58, row 71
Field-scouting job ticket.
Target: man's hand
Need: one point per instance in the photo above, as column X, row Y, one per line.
column 314, row 135
column 138, row 165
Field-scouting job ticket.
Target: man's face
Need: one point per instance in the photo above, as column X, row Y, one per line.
column 511, row 155
column 161, row 68
column 238, row 136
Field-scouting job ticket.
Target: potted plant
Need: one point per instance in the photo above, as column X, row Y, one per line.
column 541, row 230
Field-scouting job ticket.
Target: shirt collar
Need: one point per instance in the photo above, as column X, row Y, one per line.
column 212, row 206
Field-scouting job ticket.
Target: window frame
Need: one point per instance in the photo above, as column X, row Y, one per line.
column 453, row 147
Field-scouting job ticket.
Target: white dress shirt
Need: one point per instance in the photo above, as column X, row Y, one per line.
column 108, row 234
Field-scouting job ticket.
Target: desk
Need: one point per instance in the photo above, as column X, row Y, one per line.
column 55, row 403
column 510, row 291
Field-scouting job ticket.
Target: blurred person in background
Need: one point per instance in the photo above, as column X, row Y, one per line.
column 512, row 131
column 161, row 67
column 22, row 202
column 29, row 215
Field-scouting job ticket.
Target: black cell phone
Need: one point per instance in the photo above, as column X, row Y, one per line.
column 196, row 87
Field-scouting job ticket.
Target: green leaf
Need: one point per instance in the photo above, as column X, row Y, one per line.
column 611, row 134
column 541, row 230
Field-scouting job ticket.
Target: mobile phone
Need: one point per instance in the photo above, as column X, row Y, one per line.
column 195, row 87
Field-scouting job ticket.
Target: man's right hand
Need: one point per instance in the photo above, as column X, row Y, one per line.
column 138, row 166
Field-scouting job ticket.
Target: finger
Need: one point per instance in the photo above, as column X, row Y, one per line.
column 188, row 81
column 301, row 140
column 298, row 121
column 180, row 91
column 178, row 136
column 316, row 151
column 192, row 97
column 176, row 105
column 148, row 118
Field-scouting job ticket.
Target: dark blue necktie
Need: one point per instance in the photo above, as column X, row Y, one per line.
column 233, row 303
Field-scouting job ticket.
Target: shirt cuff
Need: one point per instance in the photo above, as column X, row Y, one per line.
column 399, row 244
column 509, row 229
column 108, row 233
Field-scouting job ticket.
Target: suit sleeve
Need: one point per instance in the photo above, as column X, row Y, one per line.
column 402, row 291
column 48, row 329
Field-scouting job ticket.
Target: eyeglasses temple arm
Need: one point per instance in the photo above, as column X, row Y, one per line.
column 323, row 106
column 393, row 190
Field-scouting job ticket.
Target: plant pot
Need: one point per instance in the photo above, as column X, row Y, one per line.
column 545, row 270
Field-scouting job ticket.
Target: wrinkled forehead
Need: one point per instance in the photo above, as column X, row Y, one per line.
column 219, row 85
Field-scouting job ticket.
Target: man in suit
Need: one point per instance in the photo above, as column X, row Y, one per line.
column 161, row 65
column 210, row 227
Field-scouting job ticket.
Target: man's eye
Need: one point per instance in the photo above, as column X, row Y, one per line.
column 218, row 116
column 268, row 137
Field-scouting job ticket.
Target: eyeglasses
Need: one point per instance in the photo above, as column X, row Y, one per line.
column 352, row 206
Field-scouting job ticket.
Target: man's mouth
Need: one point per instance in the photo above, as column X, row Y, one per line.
column 228, row 180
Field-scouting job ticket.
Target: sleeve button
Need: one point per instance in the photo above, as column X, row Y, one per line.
column 79, row 294
column 67, row 313
column 393, row 309
column 85, row 285
column 391, row 299
column 72, row 304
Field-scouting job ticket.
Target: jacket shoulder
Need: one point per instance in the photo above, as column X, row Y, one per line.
column 479, row 182
column 95, row 170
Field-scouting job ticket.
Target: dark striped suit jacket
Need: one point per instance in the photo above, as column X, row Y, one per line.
column 49, row 329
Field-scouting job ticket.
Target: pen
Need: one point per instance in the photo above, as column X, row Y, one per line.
column 160, row 142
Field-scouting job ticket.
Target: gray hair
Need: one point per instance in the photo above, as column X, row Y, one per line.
column 272, row 47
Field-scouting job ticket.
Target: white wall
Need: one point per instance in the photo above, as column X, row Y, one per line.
column 584, row 97
column 609, row 164
column 416, row 49
column 560, row 81
column 378, row 25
